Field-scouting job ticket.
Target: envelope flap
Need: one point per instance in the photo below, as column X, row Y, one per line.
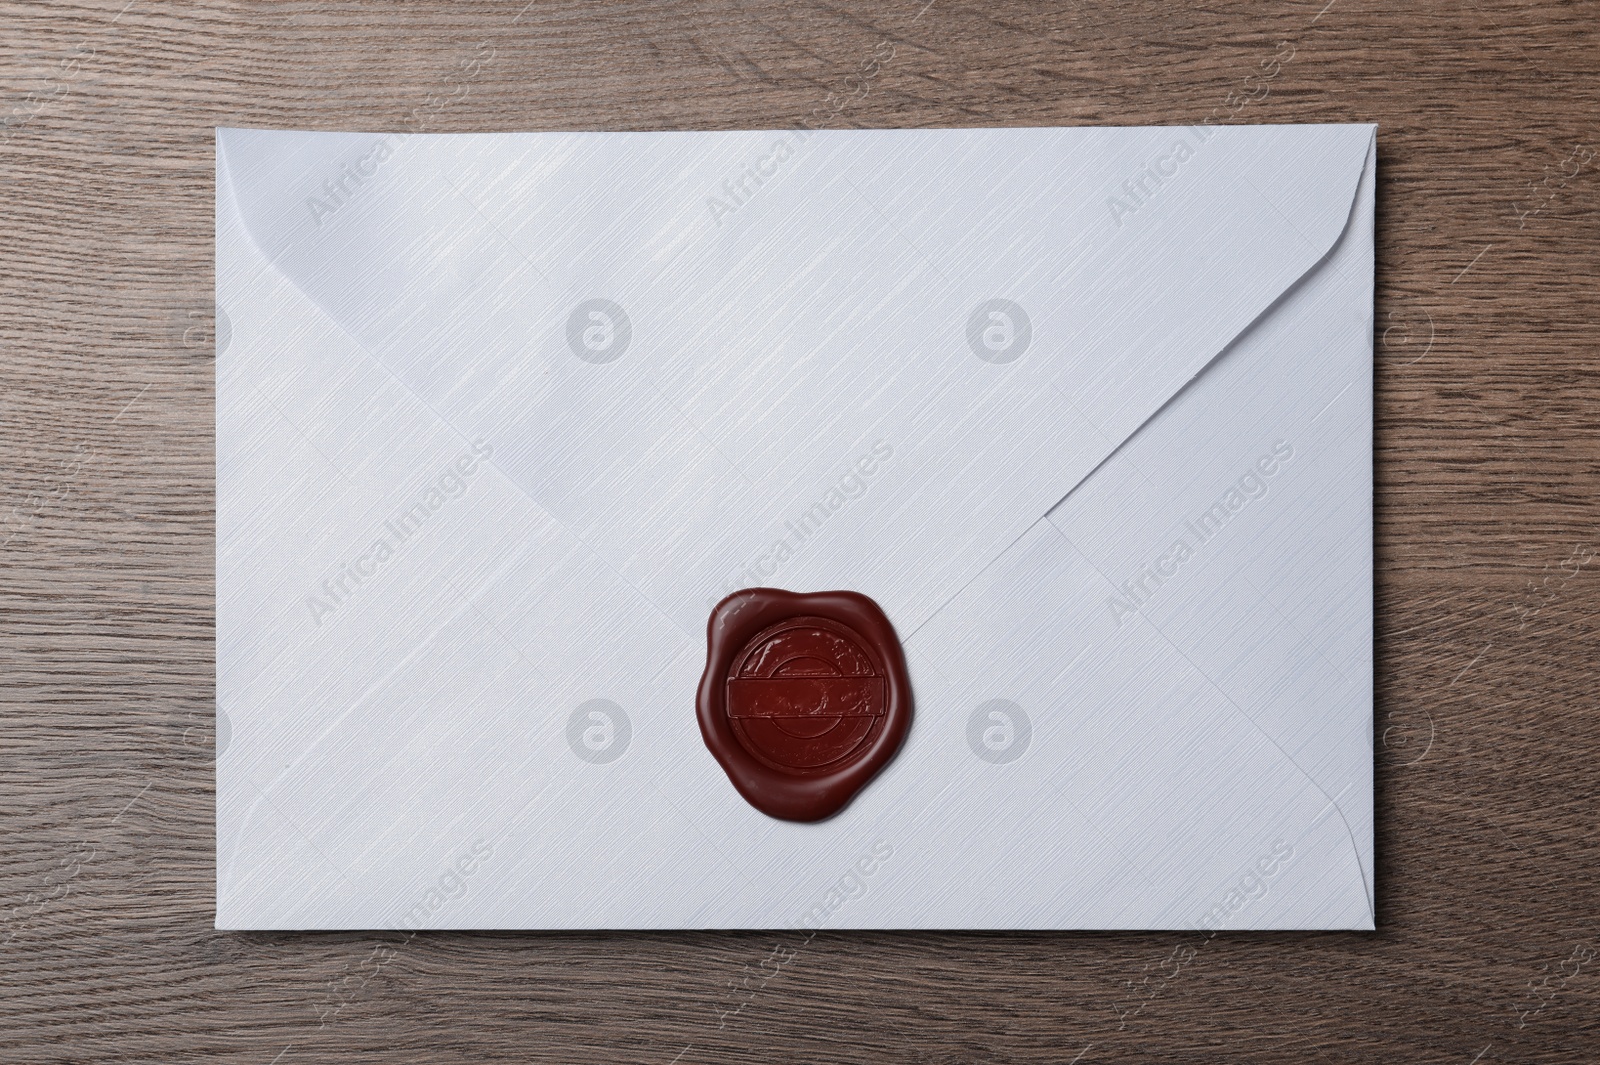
column 858, row 359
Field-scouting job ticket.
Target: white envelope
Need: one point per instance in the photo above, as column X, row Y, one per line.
column 1088, row 412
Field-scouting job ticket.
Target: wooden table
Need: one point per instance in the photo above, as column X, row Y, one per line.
column 1488, row 941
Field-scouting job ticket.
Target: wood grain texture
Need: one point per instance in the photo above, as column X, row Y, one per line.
column 1488, row 586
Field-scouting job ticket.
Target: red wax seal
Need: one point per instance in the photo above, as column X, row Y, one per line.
column 804, row 698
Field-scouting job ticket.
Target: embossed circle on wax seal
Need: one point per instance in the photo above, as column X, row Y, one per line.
column 804, row 699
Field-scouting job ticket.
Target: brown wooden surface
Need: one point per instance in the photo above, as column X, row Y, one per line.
column 1488, row 533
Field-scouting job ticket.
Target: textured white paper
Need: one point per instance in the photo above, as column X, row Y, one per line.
column 502, row 416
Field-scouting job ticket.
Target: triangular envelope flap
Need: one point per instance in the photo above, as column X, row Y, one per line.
column 864, row 359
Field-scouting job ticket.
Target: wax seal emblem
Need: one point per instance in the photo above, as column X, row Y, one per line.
column 804, row 698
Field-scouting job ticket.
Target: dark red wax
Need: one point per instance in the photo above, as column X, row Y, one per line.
column 804, row 699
